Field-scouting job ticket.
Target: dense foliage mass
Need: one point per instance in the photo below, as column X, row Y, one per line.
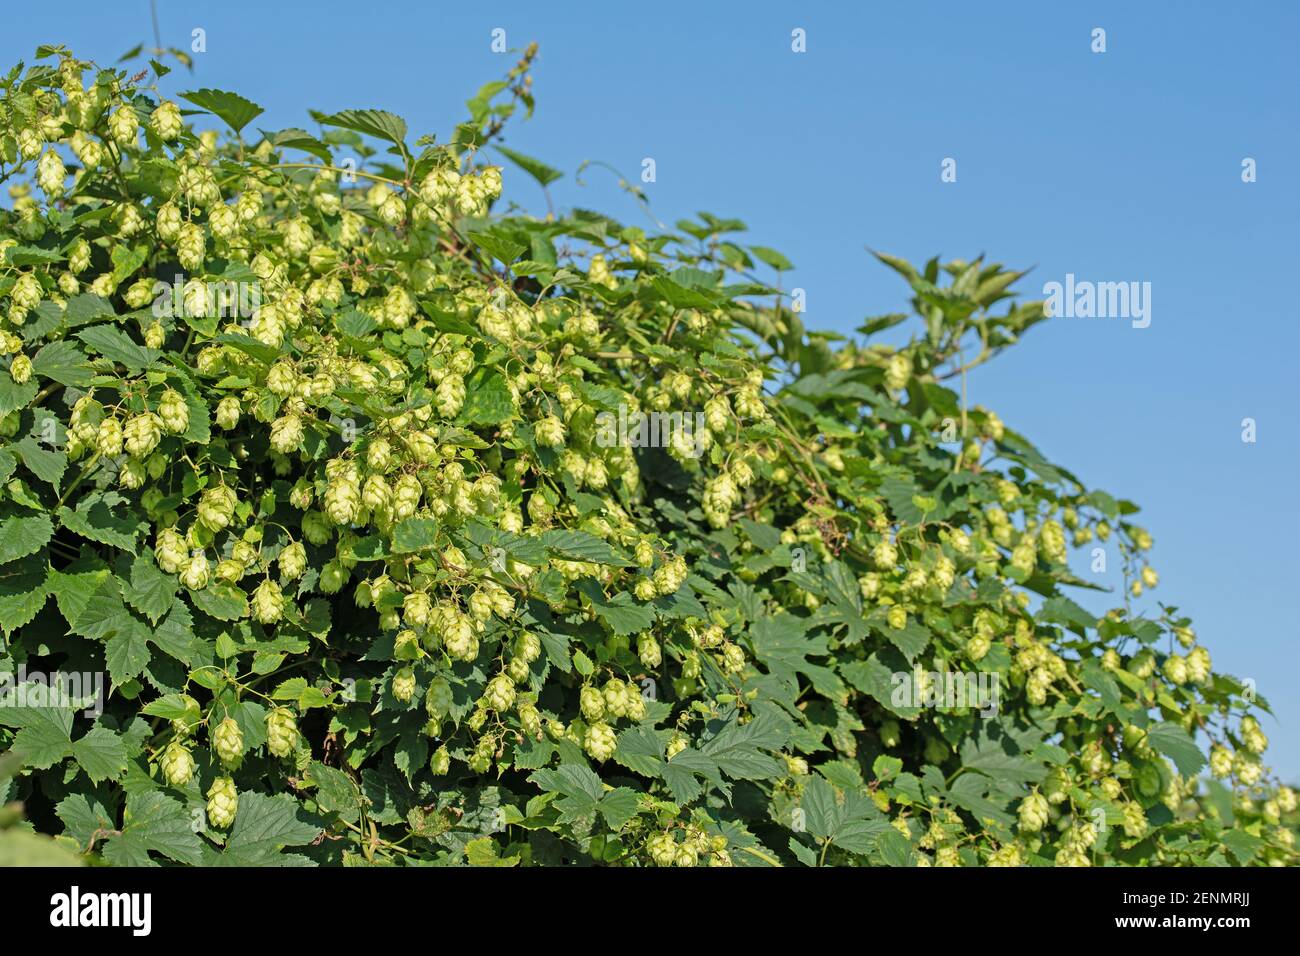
column 409, row 530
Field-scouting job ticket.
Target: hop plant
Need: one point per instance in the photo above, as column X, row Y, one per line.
column 440, row 761
column 281, row 732
column 391, row 470
column 223, row 803
column 1033, row 813
column 165, row 121
column 600, row 741
column 268, row 603
column 177, row 764
column 228, row 742
column 500, row 694
column 404, row 684
column 173, row 412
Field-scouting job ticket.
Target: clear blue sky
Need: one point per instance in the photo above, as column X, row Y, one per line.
column 1117, row 166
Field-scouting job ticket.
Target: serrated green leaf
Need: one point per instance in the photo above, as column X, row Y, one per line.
column 152, row 590
column 581, row 546
column 44, row 735
column 222, row 601
column 413, row 535
column 14, row 396
column 23, row 591
column 105, row 517
column 32, row 256
column 487, row 399
column 294, row 138
column 1176, row 744
column 852, row 822
column 45, row 464
column 62, row 362
column 894, row 849
column 126, row 651
column 378, row 123
column 544, row 174
column 336, row 792
column 264, row 827
column 153, row 823
column 21, row 535
column 114, row 344
column 101, row 754
column 235, row 110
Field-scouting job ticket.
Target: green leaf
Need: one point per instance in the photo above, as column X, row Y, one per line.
column 264, row 353
column 621, row 612
column 413, row 535
column 899, row 494
column 1061, row 610
column 582, row 795
column 487, row 399
column 680, row 297
column 886, row 767
column 1244, row 846
column 199, row 429
column 641, row 750
column 498, row 246
column 482, row 851
column 1095, row 678
column 153, row 823
column 116, row 346
column 62, row 362
column 355, row 324
column 581, row 546
column 23, row 591
column 44, row 735
column 738, row 749
column 101, row 753
column 853, row 824
column 235, row 110
column 251, row 718
column 990, row 751
column 32, row 256
column 83, row 816
column 781, row 644
column 175, row 636
column 894, row 849
column 23, row 535
column 127, row 260
column 222, row 601
column 85, row 308
column 46, row 465
column 77, row 585
column 19, row 848
column 336, row 792
column 979, row 795
column 545, row 175
column 264, row 826
column 105, row 517
column 169, row 707
column 1176, row 744
column 126, row 652
column 152, row 590
column 618, row 806
column 378, row 123
column 294, row 138
column 912, row 638
column 875, row 675
column 14, row 396
column 772, row 258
